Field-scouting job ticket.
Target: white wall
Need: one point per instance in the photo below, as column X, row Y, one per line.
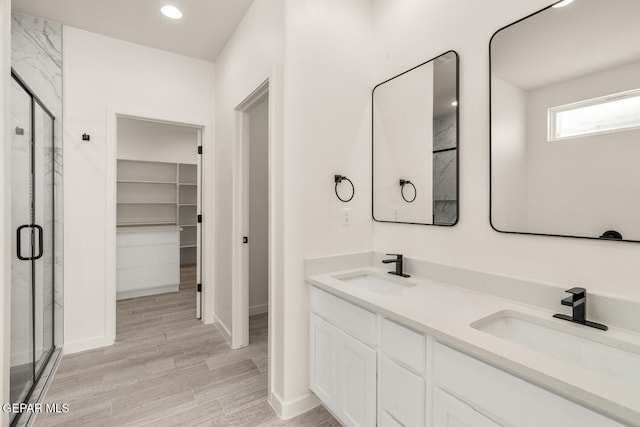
column 508, row 156
column 259, row 208
column 328, row 58
column 429, row 28
column 5, row 196
column 103, row 75
column 591, row 178
column 253, row 54
column 156, row 142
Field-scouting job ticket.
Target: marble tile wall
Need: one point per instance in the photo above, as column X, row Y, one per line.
column 445, row 170
column 36, row 55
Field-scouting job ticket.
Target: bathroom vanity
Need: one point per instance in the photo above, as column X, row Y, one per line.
column 425, row 351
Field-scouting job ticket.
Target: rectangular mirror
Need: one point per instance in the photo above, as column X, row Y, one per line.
column 565, row 122
column 415, row 145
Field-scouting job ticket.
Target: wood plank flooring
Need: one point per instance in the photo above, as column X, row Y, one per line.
column 168, row 369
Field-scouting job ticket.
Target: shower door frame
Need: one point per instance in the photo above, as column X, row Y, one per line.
column 37, row 373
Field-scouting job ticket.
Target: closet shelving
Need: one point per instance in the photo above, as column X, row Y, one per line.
column 187, row 208
column 159, row 193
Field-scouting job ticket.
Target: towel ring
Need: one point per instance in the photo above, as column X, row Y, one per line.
column 338, row 179
column 404, row 182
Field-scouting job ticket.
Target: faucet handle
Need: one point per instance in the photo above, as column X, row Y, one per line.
column 396, row 255
column 577, row 292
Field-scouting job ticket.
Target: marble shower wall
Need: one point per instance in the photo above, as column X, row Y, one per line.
column 36, row 55
column 445, row 170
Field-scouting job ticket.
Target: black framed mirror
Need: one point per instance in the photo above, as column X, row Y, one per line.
column 565, row 122
column 415, row 145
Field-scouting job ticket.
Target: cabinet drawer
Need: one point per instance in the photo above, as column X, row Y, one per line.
column 350, row 318
column 451, row 412
column 513, row 400
column 403, row 394
column 404, row 345
column 387, row 420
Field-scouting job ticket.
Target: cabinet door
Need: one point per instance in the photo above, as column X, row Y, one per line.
column 403, row 394
column 357, row 382
column 323, row 375
column 450, row 412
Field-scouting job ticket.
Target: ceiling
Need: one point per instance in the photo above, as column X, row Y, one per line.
column 201, row 33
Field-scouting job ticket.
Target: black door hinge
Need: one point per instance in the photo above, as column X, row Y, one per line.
column 199, row 219
column 199, row 287
column 245, row 239
column 199, row 149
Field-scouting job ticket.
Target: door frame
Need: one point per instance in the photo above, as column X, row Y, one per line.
column 240, row 264
column 207, row 249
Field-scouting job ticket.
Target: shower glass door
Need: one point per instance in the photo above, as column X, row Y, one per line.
column 22, row 352
column 32, row 295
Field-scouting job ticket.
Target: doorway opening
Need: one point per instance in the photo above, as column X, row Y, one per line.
column 252, row 260
column 158, row 226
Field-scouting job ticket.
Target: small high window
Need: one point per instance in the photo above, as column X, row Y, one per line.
column 620, row 111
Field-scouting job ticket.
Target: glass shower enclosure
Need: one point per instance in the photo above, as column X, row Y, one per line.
column 32, row 209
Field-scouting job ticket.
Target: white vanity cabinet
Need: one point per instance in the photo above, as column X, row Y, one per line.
column 420, row 382
column 505, row 398
column 343, row 359
column 402, row 382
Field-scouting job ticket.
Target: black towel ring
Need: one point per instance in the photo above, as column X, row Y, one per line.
column 338, row 179
column 404, row 182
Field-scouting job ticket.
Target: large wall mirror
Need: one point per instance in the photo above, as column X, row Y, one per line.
column 565, row 122
column 415, row 145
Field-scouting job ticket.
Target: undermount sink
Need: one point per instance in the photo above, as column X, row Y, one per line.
column 375, row 284
column 589, row 349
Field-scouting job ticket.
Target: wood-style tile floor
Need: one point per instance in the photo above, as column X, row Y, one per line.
column 168, row 369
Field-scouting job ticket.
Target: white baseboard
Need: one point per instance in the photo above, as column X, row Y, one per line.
column 258, row 309
column 146, row 292
column 293, row 408
column 90, row 344
column 223, row 330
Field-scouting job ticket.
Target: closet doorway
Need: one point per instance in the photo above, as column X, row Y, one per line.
column 158, row 225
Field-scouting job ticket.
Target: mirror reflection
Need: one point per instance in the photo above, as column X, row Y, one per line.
column 565, row 122
column 415, row 145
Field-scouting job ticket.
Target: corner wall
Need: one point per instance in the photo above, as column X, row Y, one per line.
column 467, row 26
column 253, row 54
column 327, row 130
column 103, row 75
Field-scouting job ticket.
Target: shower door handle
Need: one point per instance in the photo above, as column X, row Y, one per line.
column 19, row 243
column 40, row 241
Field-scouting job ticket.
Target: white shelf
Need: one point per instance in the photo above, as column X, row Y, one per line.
column 141, row 224
column 159, row 193
column 146, row 203
column 134, row 181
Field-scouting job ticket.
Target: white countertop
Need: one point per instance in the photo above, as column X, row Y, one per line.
column 445, row 312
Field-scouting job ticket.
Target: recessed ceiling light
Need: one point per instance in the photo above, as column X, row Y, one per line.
column 563, row 3
column 454, row 104
column 171, row 12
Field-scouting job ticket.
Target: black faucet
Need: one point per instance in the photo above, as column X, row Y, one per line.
column 578, row 301
column 398, row 261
